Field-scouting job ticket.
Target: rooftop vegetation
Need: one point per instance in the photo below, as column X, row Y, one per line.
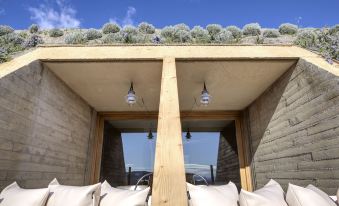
column 325, row 40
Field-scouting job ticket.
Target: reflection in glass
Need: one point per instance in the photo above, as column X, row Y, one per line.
column 201, row 154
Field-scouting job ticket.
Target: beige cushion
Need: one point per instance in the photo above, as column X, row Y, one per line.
column 62, row 195
column 270, row 195
column 213, row 195
column 13, row 195
column 300, row 196
column 122, row 197
column 322, row 194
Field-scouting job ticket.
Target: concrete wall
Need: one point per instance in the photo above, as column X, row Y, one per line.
column 112, row 161
column 44, row 129
column 228, row 161
column 294, row 129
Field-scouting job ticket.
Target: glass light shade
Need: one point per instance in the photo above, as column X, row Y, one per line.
column 205, row 98
column 131, row 98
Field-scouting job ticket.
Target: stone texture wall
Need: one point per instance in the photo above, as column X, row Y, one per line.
column 294, row 130
column 228, row 161
column 112, row 161
column 44, row 129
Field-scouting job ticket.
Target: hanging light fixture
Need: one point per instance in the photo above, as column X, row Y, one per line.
column 205, row 97
column 131, row 98
column 150, row 135
column 188, row 135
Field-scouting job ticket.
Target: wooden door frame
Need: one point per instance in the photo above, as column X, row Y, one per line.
column 242, row 142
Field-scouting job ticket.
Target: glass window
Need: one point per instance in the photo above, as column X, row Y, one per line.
column 201, row 155
column 139, row 154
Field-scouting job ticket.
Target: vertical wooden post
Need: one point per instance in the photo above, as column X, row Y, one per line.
column 98, row 142
column 245, row 173
column 169, row 181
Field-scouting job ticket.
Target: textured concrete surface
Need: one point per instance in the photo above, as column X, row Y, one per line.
column 44, row 129
column 228, row 161
column 294, row 129
column 112, row 160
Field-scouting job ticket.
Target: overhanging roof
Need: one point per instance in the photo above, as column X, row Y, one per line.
column 235, row 75
column 105, row 53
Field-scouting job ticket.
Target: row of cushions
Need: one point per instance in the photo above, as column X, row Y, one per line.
column 59, row 195
column 270, row 195
column 296, row 196
column 62, row 195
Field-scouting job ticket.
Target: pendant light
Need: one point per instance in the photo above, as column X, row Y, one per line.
column 205, row 97
column 150, row 135
column 188, row 135
column 131, row 98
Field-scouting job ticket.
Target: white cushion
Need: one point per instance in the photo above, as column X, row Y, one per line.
column 270, row 195
column 322, row 194
column 13, row 195
column 334, row 198
column 122, row 197
column 338, row 196
column 222, row 195
column 300, row 196
column 62, row 195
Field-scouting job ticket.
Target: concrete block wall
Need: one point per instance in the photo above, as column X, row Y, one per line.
column 44, row 129
column 294, row 130
column 112, row 162
column 228, row 161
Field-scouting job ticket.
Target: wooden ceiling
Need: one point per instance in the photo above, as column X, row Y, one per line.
column 233, row 84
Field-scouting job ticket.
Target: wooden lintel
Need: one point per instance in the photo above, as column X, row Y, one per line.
column 212, row 115
column 128, row 115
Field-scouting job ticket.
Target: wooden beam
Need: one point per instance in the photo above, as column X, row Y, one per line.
column 245, row 173
column 209, row 115
column 169, row 181
column 127, row 115
column 98, row 142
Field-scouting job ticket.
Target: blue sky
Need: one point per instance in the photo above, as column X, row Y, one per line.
column 93, row 14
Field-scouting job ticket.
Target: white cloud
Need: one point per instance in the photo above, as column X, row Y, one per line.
column 63, row 16
column 128, row 18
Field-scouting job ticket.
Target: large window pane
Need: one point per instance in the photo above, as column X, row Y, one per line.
column 201, row 155
column 139, row 154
